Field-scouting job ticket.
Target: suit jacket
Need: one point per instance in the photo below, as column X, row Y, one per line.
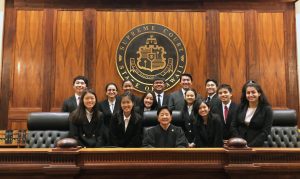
column 259, row 127
column 214, row 101
column 105, row 109
column 188, row 124
column 218, row 109
column 132, row 137
column 69, row 104
column 88, row 134
column 165, row 99
column 210, row 135
column 177, row 102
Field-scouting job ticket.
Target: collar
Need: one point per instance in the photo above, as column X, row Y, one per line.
column 76, row 96
column 161, row 94
column 124, row 117
column 212, row 95
column 183, row 91
column 228, row 105
column 111, row 103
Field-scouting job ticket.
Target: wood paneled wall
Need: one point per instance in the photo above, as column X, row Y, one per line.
column 45, row 47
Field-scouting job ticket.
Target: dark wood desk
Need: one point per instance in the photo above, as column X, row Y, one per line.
column 150, row 163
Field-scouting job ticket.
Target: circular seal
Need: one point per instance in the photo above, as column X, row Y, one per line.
column 151, row 50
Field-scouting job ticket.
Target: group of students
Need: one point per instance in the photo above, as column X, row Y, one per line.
column 117, row 120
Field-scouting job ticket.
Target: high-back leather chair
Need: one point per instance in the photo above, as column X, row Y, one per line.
column 46, row 128
column 150, row 119
column 284, row 131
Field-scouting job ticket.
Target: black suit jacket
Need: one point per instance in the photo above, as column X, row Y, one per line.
column 88, row 134
column 210, row 135
column 105, row 109
column 218, row 109
column 214, row 101
column 132, row 137
column 69, row 104
column 259, row 127
column 188, row 124
column 165, row 99
column 176, row 100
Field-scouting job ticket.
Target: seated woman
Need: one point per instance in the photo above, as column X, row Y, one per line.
column 86, row 122
column 147, row 103
column 165, row 134
column 254, row 116
column 208, row 127
column 126, row 125
column 188, row 115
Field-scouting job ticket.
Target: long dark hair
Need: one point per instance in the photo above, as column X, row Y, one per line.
column 196, row 106
column 154, row 105
column 262, row 100
column 131, row 98
column 80, row 113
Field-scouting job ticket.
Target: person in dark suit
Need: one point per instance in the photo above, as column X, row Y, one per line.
column 126, row 125
column 128, row 87
column 80, row 83
column 254, row 116
column 188, row 115
column 86, row 122
column 208, row 128
column 147, row 103
column 112, row 104
column 226, row 108
column 211, row 86
column 158, row 87
column 165, row 135
column 176, row 99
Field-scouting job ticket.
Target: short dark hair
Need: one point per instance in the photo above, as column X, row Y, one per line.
column 186, row 74
column 80, row 77
column 108, row 84
column 213, row 80
column 158, row 78
column 224, row 86
column 125, row 82
column 164, row 107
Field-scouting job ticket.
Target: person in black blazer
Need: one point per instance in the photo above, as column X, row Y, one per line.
column 86, row 122
column 226, row 108
column 112, row 104
column 211, row 86
column 158, row 87
column 147, row 103
column 188, row 115
column 126, row 125
column 208, row 128
column 80, row 83
column 128, row 87
column 176, row 99
column 254, row 116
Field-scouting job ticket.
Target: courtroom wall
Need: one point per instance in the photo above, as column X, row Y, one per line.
column 45, row 47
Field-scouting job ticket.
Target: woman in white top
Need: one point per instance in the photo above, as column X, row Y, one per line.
column 254, row 116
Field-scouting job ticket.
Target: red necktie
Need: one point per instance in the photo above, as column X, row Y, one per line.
column 225, row 113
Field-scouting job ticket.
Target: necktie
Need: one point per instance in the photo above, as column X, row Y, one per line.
column 78, row 100
column 225, row 113
column 158, row 100
column 208, row 99
column 112, row 108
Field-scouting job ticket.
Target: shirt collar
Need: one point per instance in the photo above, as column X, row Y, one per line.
column 228, row 105
column 124, row 117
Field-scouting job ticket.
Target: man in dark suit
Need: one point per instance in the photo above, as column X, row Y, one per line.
column 158, row 88
column 80, row 83
column 226, row 108
column 176, row 99
column 211, row 86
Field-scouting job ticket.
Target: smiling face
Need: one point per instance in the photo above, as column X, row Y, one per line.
column 126, row 105
column 186, row 82
column 224, row 95
column 89, row 101
column 211, row 88
column 127, row 86
column 79, row 86
column 111, row 91
column 190, row 97
column 158, row 86
column 252, row 94
column 148, row 100
column 203, row 110
column 164, row 117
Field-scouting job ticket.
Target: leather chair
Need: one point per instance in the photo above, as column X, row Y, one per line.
column 150, row 119
column 46, row 128
column 284, row 132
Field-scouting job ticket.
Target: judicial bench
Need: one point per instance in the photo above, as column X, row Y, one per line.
column 150, row 163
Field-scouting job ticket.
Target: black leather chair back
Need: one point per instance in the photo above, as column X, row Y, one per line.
column 284, row 132
column 150, row 119
column 45, row 128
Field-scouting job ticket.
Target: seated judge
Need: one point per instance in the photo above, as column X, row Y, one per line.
column 165, row 135
column 112, row 104
column 126, row 125
column 208, row 128
column 148, row 103
column 254, row 116
column 86, row 122
column 80, row 83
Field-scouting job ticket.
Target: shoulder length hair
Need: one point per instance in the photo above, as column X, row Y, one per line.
column 154, row 104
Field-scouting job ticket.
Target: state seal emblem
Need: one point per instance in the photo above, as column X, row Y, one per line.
column 151, row 50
